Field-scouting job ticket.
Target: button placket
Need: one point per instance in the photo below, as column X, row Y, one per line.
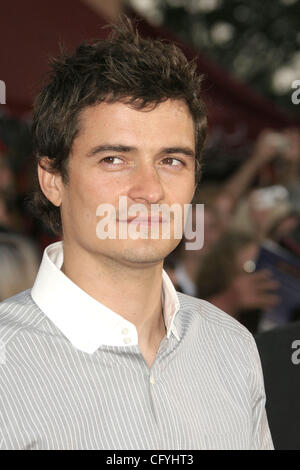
column 152, row 380
column 126, row 339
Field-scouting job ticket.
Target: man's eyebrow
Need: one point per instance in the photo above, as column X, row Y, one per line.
column 125, row 148
column 110, row 148
column 183, row 150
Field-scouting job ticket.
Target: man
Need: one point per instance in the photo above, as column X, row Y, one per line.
column 103, row 353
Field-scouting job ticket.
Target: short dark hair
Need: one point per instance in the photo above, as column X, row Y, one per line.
column 124, row 67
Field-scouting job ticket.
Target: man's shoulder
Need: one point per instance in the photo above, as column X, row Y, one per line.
column 18, row 313
column 211, row 317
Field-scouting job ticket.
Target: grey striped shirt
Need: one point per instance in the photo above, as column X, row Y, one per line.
column 204, row 390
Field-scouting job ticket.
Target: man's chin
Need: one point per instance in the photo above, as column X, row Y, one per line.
column 143, row 255
column 146, row 251
column 140, row 251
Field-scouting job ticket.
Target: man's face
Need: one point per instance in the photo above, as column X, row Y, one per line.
column 149, row 165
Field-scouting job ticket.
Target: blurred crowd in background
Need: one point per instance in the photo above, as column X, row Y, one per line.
column 249, row 265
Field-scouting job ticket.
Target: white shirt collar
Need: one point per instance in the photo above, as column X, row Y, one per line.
column 87, row 323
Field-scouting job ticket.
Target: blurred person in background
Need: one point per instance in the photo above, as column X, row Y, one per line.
column 19, row 256
column 19, row 261
column 274, row 167
column 227, row 197
column 280, row 253
column 10, row 218
column 281, row 229
column 273, row 162
column 227, row 279
column 4, row 217
column 264, row 206
column 284, row 148
column 7, row 182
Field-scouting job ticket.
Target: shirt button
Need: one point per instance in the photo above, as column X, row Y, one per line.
column 152, row 381
column 127, row 340
column 125, row 331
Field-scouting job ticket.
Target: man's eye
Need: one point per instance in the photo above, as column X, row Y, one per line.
column 109, row 160
column 173, row 161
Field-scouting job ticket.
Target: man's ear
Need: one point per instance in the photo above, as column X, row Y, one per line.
column 50, row 182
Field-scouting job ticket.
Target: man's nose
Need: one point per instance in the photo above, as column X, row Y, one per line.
column 146, row 185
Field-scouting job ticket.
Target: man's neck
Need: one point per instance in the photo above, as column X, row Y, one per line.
column 132, row 291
